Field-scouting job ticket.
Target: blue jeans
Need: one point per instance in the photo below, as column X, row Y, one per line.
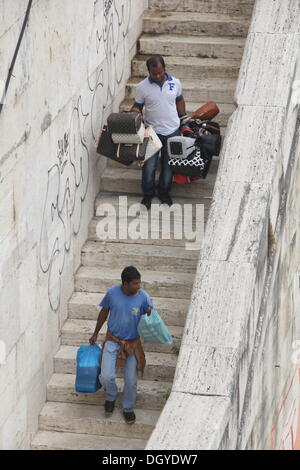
column 109, row 372
column 149, row 169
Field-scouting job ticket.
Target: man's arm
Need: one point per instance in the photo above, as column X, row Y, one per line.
column 180, row 104
column 101, row 319
column 137, row 108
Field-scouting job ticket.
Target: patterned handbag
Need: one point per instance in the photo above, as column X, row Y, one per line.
column 124, row 123
column 122, row 153
column 137, row 138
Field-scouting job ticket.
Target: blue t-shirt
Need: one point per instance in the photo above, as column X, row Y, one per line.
column 125, row 311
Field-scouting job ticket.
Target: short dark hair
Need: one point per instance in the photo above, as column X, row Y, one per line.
column 130, row 273
column 154, row 61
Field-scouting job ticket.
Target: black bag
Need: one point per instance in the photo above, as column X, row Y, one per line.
column 124, row 123
column 209, row 137
column 122, row 153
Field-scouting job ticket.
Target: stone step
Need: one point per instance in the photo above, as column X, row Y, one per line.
column 159, row 366
column 193, row 23
column 78, row 332
column 227, row 7
column 106, row 254
column 86, row 419
column 51, row 440
column 191, row 68
column 158, row 283
column 191, row 46
column 226, row 109
column 220, row 90
column 85, row 306
column 118, row 180
column 152, row 395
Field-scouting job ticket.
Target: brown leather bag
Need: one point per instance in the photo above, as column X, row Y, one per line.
column 206, row 112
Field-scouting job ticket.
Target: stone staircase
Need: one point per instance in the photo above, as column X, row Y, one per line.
column 202, row 42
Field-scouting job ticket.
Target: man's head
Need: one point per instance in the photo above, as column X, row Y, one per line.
column 131, row 280
column 156, row 67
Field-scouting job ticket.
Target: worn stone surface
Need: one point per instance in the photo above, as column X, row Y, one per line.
column 69, row 417
column 49, row 440
column 194, row 23
column 195, row 46
column 238, row 7
column 151, row 394
column 194, row 414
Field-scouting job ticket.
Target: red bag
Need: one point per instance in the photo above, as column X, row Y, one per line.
column 183, row 179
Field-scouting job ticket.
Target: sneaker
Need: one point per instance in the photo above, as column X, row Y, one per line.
column 109, row 406
column 129, row 417
column 165, row 199
column 146, row 201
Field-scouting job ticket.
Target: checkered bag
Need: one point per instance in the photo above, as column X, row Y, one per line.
column 152, row 329
column 195, row 165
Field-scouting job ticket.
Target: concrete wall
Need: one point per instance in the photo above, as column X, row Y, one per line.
column 237, row 382
column 71, row 71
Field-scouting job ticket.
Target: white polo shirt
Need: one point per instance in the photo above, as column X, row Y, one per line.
column 160, row 103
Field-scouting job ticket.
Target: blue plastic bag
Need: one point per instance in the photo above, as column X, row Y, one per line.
column 88, row 369
column 152, row 329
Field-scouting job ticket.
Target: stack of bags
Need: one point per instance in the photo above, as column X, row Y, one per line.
column 125, row 139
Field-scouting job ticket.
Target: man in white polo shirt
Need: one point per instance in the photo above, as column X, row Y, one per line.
column 161, row 94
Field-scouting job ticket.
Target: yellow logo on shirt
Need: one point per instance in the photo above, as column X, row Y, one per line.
column 135, row 311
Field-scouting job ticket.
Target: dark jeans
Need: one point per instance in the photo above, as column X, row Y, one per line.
column 149, row 169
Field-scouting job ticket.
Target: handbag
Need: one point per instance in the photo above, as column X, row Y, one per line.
column 124, row 123
column 88, row 369
column 152, row 329
column 137, row 138
column 154, row 143
column 209, row 137
column 133, row 152
column 122, row 153
column 195, row 165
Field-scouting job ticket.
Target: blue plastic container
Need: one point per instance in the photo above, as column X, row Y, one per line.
column 88, row 369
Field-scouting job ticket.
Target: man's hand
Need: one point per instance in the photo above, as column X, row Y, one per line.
column 148, row 311
column 93, row 339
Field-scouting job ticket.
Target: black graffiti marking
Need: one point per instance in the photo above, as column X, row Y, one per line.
column 107, row 6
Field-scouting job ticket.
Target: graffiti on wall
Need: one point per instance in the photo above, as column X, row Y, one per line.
column 68, row 176
column 286, row 431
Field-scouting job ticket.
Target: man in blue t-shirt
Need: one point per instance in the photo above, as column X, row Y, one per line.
column 125, row 304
